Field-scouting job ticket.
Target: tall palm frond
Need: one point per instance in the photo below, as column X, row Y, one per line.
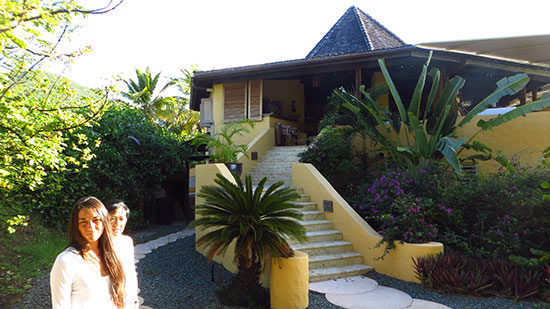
column 142, row 92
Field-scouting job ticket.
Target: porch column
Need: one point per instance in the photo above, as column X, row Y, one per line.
column 357, row 82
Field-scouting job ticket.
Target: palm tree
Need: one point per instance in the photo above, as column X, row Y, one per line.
column 142, row 93
column 258, row 221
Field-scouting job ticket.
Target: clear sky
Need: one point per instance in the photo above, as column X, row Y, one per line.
column 213, row 34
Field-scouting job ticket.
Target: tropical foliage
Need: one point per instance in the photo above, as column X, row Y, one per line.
column 222, row 145
column 453, row 272
column 171, row 112
column 258, row 222
column 331, row 154
column 431, row 133
column 128, row 156
column 144, row 93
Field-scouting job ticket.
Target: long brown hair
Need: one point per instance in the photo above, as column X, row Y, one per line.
column 106, row 249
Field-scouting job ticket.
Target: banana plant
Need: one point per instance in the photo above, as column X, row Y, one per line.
column 432, row 134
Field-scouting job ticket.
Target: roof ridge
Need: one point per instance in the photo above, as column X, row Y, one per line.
column 328, row 34
column 381, row 26
column 365, row 33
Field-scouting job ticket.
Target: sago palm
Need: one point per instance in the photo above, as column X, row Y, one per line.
column 259, row 222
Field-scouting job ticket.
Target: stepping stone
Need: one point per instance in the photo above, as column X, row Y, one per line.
column 381, row 297
column 349, row 285
column 141, row 300
column 145, row 307
column 425, row 304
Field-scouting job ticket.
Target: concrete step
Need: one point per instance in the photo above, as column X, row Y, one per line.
column 303, row 197
column 335, row 260
column 308, row 215
column 323, row 274
column 317, row 225
column 324, row 247
column 286, row 182
column 306, row 205
column 272, row 175
column 320, row 236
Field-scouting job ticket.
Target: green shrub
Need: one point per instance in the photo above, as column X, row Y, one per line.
column 331, row 153
column 130, row 156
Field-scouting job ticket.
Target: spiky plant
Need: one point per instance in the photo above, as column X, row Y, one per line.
column 257, row 221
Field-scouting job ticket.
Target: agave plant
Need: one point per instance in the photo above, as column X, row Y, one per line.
column 431, row 134
column 259, row 222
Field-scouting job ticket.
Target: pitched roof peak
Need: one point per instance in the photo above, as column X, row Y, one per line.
column 355, row 32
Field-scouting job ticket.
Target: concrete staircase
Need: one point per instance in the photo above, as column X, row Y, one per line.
column 330, row 257
column 276, row 165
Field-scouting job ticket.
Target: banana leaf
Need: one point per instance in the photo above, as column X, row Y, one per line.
column 448, row 148
column 447, row 98
column 393, row 91
column 478, row 146
column 435, row 138
column 421, row 141
column 542, row 103
column 414, row 107
column 355, row 109
column 435, row 75
column 505, row 86
column 478, row 156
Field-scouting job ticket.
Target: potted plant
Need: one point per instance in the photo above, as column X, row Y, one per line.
column 259, row 222
column 223, row 148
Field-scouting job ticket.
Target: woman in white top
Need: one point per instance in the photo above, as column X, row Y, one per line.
column 88, row 273
column 124, row 246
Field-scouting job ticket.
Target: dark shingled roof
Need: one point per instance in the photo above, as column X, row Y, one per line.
column 355, row 32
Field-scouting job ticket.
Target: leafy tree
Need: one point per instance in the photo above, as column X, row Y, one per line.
column 258, row 221
column 37, row 112
column 431, row 134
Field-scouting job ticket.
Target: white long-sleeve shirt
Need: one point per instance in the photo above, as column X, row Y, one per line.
column 124, row 247
column 74, row 284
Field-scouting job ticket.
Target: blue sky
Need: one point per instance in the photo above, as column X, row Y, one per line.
column 171, row 34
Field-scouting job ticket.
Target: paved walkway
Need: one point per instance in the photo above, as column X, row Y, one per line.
column 351, row 292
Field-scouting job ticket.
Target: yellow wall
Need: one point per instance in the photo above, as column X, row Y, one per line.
column 285, row 91
column 524, row 138
column 264, row 141
column 377, row 79
column 398, row 263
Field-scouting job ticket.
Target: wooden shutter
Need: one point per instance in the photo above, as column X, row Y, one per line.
column 234, row 101
column 255, row 99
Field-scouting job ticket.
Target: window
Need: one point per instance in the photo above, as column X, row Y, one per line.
column 242, row 100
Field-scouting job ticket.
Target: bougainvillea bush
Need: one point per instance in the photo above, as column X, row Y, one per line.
column 497, row 216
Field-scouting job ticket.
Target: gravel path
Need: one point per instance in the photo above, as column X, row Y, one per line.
column 176, row 276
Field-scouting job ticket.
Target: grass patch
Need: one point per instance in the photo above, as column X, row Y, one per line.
column 24, row 255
